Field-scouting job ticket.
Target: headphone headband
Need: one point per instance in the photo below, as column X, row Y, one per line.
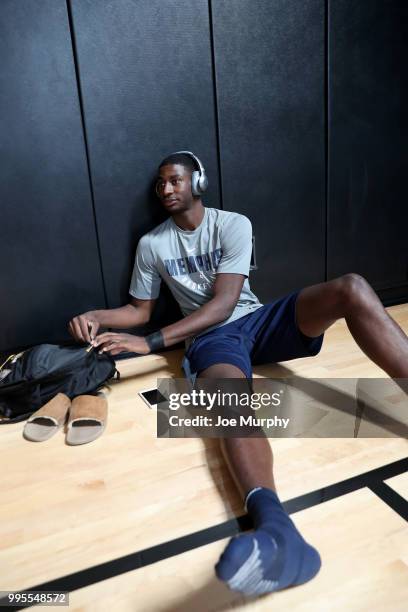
column 197, row 161
column 199, row 180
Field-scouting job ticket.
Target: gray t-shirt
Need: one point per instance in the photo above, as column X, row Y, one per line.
column 188, row 261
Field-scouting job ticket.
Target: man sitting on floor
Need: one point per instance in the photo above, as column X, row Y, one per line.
column 203, row 255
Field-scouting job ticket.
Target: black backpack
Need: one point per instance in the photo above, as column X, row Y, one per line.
column 36, row 375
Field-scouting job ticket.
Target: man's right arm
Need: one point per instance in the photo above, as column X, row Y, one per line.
column 84, row 327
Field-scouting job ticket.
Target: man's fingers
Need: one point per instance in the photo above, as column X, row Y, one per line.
column 71, row 329
column 83, row 329
column 94, row 326
column 104, row 338
column 103, row 344
column 83, row 322
column 77, row 330
column 109, row 346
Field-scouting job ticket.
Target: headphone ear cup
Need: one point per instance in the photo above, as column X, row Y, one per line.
column 195, row 183
column 203, row 182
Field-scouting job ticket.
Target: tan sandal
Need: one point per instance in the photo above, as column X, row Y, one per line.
column 87, row 419
column 46, row 421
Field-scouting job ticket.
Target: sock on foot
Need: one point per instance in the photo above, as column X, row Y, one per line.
column 273, row 557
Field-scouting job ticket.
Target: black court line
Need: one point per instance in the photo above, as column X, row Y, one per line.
column 367, row 479
column 372, row 479
column 391, row 498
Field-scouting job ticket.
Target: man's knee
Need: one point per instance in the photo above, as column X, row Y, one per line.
column 222, row 370
column 223, row 377
column 352, row 290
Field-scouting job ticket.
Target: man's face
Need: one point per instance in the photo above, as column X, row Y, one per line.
column 173, row 188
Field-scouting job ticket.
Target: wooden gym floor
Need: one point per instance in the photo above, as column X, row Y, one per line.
column 132, row 522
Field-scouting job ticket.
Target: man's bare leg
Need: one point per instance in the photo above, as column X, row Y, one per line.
column 317, row 308
column 275, row 555
column 250, row 460
column 351, row 297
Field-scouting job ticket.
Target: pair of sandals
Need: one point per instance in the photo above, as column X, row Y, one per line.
column 87, row 415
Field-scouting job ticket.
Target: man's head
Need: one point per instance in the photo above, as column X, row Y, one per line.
column 173, row 185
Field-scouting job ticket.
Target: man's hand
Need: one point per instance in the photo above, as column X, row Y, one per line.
column 114, row 344
column 84, row 327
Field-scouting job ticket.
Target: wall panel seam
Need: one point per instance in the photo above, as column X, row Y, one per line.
column 215, row 97
column 83, row 123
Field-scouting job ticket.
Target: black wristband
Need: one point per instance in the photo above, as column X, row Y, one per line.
column 155, row 341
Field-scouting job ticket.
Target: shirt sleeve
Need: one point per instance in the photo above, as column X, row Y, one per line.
column 236, row 245
column 146, row 280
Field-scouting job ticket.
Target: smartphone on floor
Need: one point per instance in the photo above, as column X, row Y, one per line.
column 151, row 397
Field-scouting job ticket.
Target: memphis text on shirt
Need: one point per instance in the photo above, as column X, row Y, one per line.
column 205, row 262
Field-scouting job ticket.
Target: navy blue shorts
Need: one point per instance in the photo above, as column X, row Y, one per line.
column 267, row 335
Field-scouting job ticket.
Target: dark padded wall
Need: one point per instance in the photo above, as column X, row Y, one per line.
column 146, row 79
column 49, row 263
column 148, row 88
column 269, row 59
column 368, row 131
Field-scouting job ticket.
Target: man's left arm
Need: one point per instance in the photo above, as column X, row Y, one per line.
column 226, row 292
column 233, row 268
